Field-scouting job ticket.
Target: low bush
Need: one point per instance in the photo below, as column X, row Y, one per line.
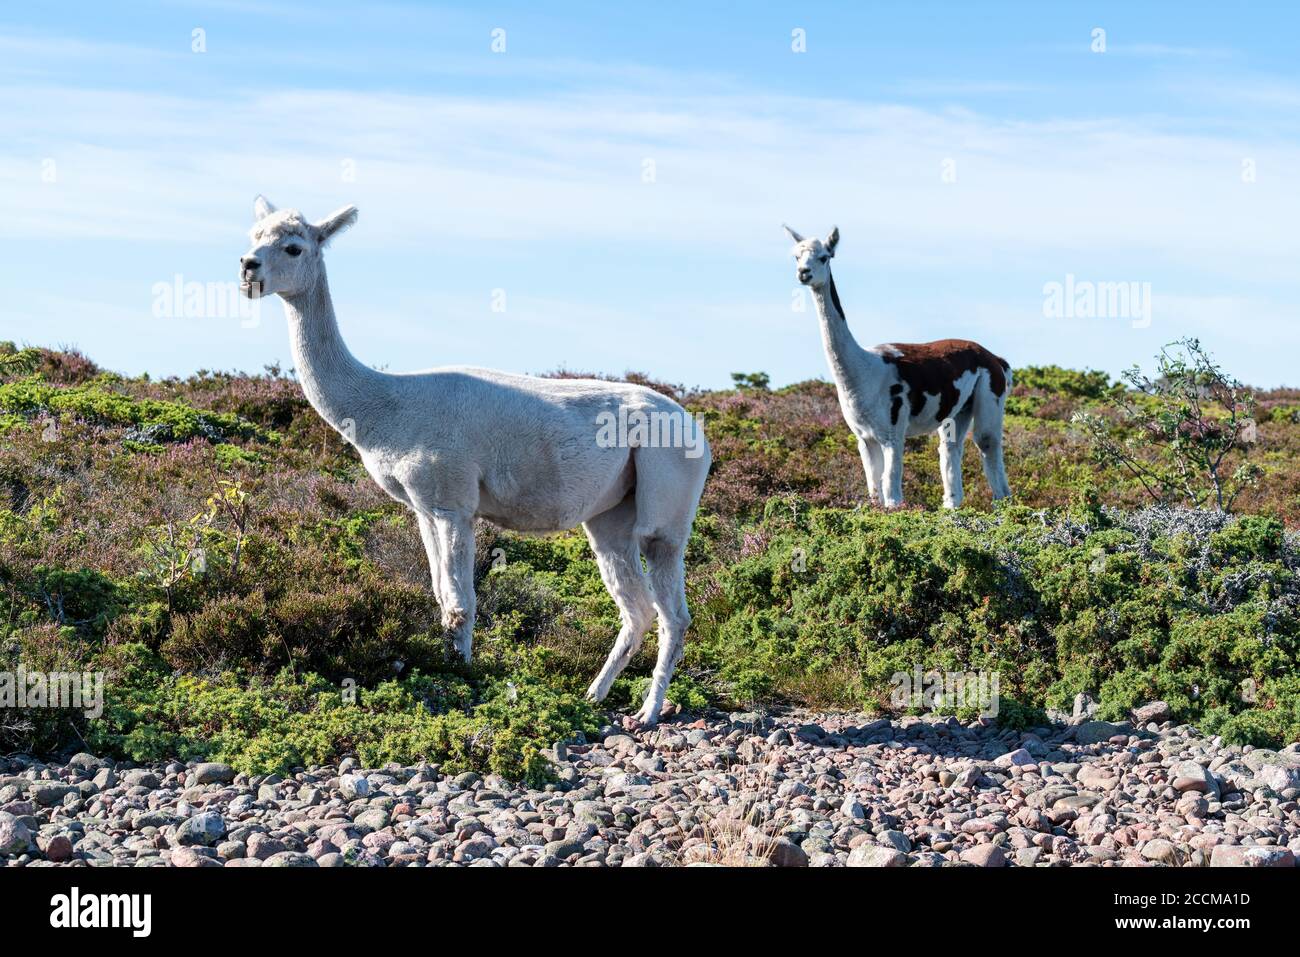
column 224, row 559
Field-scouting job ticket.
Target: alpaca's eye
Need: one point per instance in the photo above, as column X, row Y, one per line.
column 293, row 250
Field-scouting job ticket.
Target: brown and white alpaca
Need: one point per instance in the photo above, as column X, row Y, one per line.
column 891, row 391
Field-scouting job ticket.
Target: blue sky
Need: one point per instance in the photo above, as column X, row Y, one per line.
column 521, row 177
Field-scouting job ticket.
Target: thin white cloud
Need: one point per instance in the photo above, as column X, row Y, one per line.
column 135, row 165
column 1167, row 51
column 964, row 88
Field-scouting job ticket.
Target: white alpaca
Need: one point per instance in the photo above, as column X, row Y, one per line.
column 529, row 454
column 895, row 390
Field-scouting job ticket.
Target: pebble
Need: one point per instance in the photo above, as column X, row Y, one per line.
column 1095, row 732
column 1154, row 711
column 797, row 790
column 290, row 859
column 205, row 828
column 212, row 772
column 873, row 855
column 1255, row 856
column 984, row 855
column 1191, row 776
column 353, row 786
column 14, row 835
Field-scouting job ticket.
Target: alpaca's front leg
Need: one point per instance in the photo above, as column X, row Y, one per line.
column 433, row 552
column 449, row 542
column 951, row 439
column 891, row 491
column 873, row 465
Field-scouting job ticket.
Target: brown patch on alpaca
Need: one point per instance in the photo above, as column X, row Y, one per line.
column 933, row 368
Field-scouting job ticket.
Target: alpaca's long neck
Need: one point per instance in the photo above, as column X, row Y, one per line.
column 842, row 350
column 341, row 389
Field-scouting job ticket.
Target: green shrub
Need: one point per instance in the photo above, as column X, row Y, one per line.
column 1148, row 605
column 223, row 555
column 98, row 403
column 261, row 725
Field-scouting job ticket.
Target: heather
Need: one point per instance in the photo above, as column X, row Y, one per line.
column 254, row 598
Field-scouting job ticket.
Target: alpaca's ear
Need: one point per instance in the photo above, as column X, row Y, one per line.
column 262, row 208
column 793, row 235
column 833, row 240
column 335, row 223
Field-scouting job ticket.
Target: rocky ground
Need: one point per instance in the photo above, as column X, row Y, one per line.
column 740, row 789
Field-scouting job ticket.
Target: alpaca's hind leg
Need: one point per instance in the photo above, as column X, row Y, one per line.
column 873, row 465
column 995, row 470
column 449, row 539
column 952, row 439
column 666, row 558
column 667, row 494
column 619, row 559
column 989, row 411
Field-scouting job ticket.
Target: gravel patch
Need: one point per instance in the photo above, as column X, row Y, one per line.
column 796, row 790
